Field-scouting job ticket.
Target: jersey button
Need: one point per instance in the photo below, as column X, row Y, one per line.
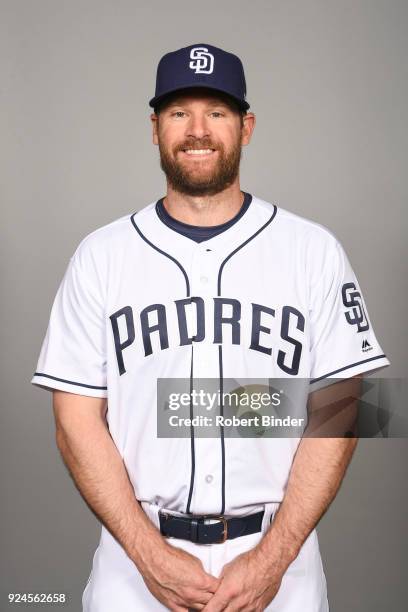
column 204, row 279
column 209, row 478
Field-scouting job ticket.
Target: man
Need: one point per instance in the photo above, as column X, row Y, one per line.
column 209, row 282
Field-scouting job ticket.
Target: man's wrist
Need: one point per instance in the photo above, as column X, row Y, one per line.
column 277, row 549
column 145, row 546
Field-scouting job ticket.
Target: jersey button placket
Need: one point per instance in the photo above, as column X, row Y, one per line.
column 207, row 489
column 203, row 285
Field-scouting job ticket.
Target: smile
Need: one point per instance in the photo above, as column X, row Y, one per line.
column 199, row 152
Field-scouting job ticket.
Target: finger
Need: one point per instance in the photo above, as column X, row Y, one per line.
column 202, row 601
column 217, row 603
column 198, row 600
column 238, row 605
column 235, row 608
column 213, row 586
column 212, row 583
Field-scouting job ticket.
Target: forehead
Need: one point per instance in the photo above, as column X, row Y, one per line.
column 198, row 94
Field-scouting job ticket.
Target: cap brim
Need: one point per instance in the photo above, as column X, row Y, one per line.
column 156, row 100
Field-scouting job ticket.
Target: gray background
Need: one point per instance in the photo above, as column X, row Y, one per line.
column 328, row 83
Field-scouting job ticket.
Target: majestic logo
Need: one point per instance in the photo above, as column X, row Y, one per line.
column 366, row 346
column 203, row 60
column 355, row 315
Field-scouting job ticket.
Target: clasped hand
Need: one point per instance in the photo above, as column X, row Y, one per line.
column 179, row 581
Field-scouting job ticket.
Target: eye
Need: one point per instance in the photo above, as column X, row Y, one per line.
column 177, row 113
column 217, row 113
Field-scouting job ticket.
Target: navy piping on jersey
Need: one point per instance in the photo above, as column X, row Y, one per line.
column 162, row 252
column 192, row 435
column 192, row 354
column 70, row 382
column 199, row 233
column 220, row 347
column 346, row 368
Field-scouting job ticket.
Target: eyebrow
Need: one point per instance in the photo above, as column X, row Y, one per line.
column 210, row 104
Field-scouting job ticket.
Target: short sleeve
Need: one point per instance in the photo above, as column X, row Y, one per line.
column 73, row 352
column 342, row 340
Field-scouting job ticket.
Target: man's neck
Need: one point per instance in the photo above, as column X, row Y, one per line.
column 204, row 210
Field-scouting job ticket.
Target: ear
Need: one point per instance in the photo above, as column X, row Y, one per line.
column 155, row 127
column 247, row 128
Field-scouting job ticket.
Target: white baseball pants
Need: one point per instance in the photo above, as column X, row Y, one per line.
column 116, row 584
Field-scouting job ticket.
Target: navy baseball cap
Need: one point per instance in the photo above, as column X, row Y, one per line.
column 201, row 65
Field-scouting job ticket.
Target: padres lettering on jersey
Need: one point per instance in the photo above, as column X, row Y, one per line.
column 289, row 316
column 273, row 295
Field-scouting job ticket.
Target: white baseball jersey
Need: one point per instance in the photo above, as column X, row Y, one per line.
column 272, row 296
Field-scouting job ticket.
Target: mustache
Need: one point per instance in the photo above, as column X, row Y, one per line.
column 197, row 144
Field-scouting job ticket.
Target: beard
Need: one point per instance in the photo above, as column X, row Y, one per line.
column 202, row 178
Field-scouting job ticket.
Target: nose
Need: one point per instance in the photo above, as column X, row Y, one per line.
column 197, row 126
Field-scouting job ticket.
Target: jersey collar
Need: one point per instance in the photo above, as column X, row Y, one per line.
column 163, row 238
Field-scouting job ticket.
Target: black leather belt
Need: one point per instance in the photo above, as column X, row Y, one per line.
column 195, row 529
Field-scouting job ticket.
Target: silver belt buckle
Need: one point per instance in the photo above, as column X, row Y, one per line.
column 225, row 530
